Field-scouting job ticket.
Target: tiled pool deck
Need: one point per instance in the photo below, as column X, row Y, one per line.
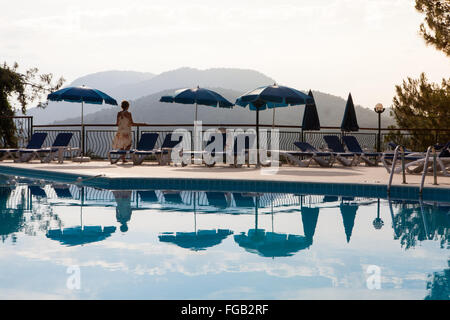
column 342, row 180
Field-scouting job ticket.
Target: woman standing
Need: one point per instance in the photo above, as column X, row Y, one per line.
column 122, row 140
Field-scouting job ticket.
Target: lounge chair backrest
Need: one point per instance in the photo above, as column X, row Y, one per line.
column 173, row 197
column 168, row 143
column 37, row 140
column 242, row 201
column 249, row 142
column 334, row 144
column 147, row 141
column 148, row 195
column 213, row 138
column 305, row 146
column 445, row 151
column 37, row 191
column 62, row 192
column 352, row 144
column 62, row 139
column 216, row 199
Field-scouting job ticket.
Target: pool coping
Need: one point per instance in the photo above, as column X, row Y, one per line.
column 236, row 185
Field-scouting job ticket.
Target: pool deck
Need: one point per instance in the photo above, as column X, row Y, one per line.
column 338, row 174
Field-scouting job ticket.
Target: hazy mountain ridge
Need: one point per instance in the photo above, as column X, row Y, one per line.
column 148, row 109
column 106, row 81
column 231, row 83
column 227, row 78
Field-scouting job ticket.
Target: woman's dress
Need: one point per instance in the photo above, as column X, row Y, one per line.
column 122, row 140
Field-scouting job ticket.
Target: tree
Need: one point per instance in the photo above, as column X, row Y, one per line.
column 437, row 19
column 22, row 89
column 423, row 105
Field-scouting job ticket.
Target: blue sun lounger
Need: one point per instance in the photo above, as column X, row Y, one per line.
column 307, row 151
column 341, row 155
column 370, row 158
column 59, row 146
column 145, row 147
column 35, row 143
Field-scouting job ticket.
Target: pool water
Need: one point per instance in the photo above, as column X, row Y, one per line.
column 66, row 241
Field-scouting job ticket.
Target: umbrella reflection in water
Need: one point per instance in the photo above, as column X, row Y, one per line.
column 80, row 235
column 197, row 240
column 270, row 244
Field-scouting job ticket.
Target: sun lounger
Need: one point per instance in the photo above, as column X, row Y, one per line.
column 37, row 191
column 62, row 191
column 218, row 199
column 148, row 196
column 173, row 197
column 213, row 152
column 35, row 143
column 307, row 154
column 243, row 201
column 410, row 156
column 58, row 148
column 415, row 163
column 341, row 155
column 369, row 157
column 164, row 154
column 145, row 147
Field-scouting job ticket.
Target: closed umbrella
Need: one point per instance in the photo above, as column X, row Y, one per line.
column 198, row 96
column 272, row 96
column 310, row 116
column 349, row 122
column 81, row 94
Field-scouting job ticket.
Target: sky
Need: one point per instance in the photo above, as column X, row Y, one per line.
column 365, row 47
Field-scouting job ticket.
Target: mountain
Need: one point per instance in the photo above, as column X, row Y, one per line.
column 148, row 109
column 111, row 82
column 132, row 85
column 226, row 78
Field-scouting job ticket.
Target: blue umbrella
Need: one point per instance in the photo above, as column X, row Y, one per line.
column 198, row 96
column 83, row 95
column 273, row 96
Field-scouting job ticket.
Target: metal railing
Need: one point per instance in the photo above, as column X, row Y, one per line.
column 23, row 127
column 99, row 137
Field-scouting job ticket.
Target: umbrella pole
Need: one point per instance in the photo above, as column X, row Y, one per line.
column 273, row 118
column 82, row 129
column 257, row 136
column 256, row 213
column 196, row 110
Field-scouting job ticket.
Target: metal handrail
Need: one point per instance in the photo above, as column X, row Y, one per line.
column 425, row 168
column 394, row 161
column 229, row 125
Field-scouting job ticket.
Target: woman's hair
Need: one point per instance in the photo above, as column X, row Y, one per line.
column 125, row 104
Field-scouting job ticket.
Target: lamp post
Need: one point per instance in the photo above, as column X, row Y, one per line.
column 379, row 109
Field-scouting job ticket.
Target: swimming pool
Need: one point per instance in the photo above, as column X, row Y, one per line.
column 184, row 241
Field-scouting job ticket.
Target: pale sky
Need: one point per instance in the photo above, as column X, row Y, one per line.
column 336, row 46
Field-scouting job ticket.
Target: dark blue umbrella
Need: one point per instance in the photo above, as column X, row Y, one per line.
column 310, row 116
column 272, row 96
column 199, row 240
column 78, row 236
column 198, row 96
column 349, row 122
column 83, row 95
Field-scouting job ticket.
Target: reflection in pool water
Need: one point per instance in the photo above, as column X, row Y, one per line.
column 167, row 244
